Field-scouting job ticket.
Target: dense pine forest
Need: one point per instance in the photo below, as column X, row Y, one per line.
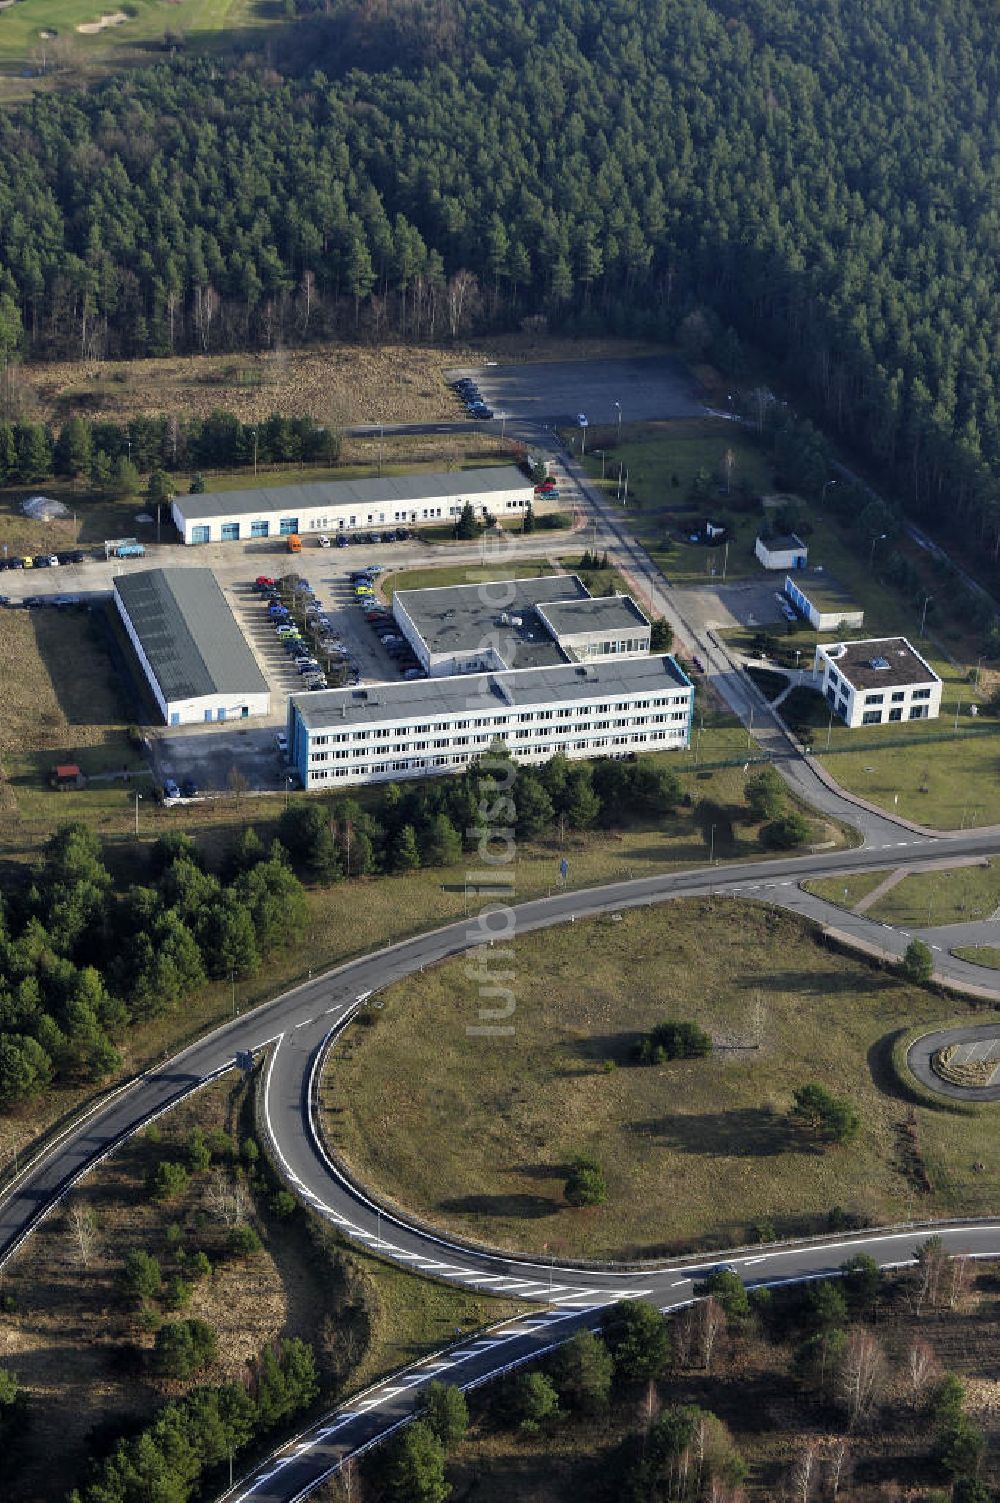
column 819, row 179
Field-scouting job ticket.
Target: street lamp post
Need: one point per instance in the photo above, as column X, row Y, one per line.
column 618, row 409
column 381, row 436
column 711, row 848
column 138, row 796
column 826, row 485
column 923, row 613
column 829, row 732
column 875, row 541
column 254, row 434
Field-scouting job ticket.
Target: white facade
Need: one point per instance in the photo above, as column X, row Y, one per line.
column 881, row 681
column 389, row 732
column 817, row 603
column 349, row 505
column 788, row 552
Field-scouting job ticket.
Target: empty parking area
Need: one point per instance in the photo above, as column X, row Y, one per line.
column 647, row 389
column 218, row 759
column 747, row 603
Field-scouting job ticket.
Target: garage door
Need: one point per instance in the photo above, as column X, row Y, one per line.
column 230, row 532
column 200, row 534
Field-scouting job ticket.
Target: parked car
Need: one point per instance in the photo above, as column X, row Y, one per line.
column 189, row 788
column 76, row 557
column 342, row 540
column 170, row 789
column 264, row 582
column 281, row 743
column 42, row 561
column 307, row 665
column 582, row 420
column 412, row 673
column 323, row 541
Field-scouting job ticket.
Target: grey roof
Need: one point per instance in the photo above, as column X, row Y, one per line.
column 605, row 613
column 823, row 591
column 461, row 485
column 487, row 693
column 188, row 633
column 783, row 542
column 467, row 618
column 903, row 664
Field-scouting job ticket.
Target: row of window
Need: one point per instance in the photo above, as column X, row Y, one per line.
column 874, row 717
column 260, row 527
column 898, row 696
column 417, row 764
column 676, row 718
column 498, row 722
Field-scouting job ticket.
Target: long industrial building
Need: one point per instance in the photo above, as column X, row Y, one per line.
column 386, row 732
column 198, row 663
column 332, row 506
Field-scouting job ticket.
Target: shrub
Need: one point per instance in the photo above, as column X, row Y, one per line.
column 585, row 1184
column 785, row 833
column 917, row 965
column 183, row 1348
column 822, row 1116
column 446, row 1412
column 169, row 1180
column 283, row 1204
column 244, row 1241
column 673, row 1040
column 140, row 1276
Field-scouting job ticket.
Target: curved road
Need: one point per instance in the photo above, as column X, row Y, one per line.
column 299, row 1024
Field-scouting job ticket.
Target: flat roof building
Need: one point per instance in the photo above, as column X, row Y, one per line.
column 387, row 732
column 877, row 682
column 822, row 600
column 197, row 662
column 516, row 623
column 332, row 506
column 782, row 551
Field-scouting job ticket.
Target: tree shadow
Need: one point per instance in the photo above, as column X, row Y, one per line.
column 747, row 1132
column 542, row 1171
column 516, row 1207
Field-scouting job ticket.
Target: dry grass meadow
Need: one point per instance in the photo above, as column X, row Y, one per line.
column 339, row 383
column 478, row 1132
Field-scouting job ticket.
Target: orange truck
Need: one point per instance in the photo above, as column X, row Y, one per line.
column 294, row 543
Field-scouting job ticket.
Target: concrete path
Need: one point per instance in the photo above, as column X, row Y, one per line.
column 886, row 885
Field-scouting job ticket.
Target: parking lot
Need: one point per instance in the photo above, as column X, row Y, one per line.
column 211, row 757
column 754, row 602
column 648, row 388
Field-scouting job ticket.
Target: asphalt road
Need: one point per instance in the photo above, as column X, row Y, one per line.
column 299, row 1025
column 920, row 1055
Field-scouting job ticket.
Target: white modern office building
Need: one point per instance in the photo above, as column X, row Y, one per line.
column 388, row 732
column 197, row 662
column 517, row 623
column 332, row 506
column 877, row 682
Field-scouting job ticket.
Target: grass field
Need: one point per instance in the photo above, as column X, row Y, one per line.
column 657, row 454
column 943, row 897
column 70, row 1336
column 985, row 955
column 845, row 891
column 478, row 1131
column 46, row 43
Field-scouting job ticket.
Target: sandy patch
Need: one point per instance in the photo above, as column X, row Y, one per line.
column 89, row 28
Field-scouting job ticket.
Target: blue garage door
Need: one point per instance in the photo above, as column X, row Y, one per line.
column 230, row 532
column 200, row 534
column 259, row 529
column 288, row 525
